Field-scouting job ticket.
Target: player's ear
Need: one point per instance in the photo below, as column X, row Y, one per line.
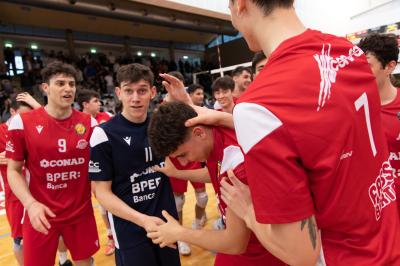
column 118, row 92
column 198, row 131
column 153, row 92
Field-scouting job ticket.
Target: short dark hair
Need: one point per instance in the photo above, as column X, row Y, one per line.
column 257, row 58
column 17, row 104
column 239, row 70
column 167, row 128
column 194, row 87
column 177, row 75
column 58, row 68
column 383, row 46
column 134, row 73
column 86, row 95
column 225, row 83
column 269, row 5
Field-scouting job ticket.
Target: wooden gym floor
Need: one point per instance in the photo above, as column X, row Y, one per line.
column 199, row 257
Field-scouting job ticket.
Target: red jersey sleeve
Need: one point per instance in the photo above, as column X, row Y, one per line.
column 15, row 146
column 278, row 182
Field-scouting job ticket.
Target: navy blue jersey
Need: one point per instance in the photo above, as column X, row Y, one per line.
column 120, row 152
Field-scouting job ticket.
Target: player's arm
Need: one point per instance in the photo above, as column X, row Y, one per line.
column 3, row 159
column 196, row 175
column 36, row 211
column 119, row 208
column 232, row 240
column 296, row 243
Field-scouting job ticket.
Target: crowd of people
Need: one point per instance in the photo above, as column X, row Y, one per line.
column 303, row 156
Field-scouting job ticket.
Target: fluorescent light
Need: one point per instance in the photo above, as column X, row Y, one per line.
column 153, row 54
column 93, row 50
column 185, row 57
column 8, row 45
column 139, row 53
column 34, row 46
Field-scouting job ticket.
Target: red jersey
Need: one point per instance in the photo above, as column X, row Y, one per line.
column 227, row 155
column 9, row 195
column 102, row 117
column 391, row 127
column 56, row 154
column 310, row 128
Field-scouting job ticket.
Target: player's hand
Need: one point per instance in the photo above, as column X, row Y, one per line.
column 27, row 98
column 166, row 234
column 210, row 117
column 176, row 89
column 237, row 197
column 37, row 213
column 3, row 159
column 150, row 222
column 169, row 168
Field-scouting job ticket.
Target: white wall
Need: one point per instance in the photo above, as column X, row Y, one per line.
column 347, row 16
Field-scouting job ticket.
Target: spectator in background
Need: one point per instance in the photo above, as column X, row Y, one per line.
column 242, row 77
column 196, row 93
column 258, row 62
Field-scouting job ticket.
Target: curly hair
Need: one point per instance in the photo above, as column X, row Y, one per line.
column 57, row 68
column 383, row 46
column 167, row 130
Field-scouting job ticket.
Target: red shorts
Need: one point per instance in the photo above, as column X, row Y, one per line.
column 180, row 186
column 81, row 239
column 15, row 213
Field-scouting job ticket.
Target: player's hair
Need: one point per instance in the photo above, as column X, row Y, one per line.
column 177, row 75
column 15, row 105
column 269, row 5
column 239, row 70
column 223, row 83
column 194, row 87
column 85, row 95
column 133, row 73
column 167, row 128
column 383, row 46
column 58, row 68
column 257, row 58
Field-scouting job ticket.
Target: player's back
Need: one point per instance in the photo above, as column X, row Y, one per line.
column 324, row 102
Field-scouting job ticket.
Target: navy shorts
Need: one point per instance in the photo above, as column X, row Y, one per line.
column 147, row 254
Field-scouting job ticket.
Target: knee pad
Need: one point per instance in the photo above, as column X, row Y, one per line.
column 179, row 202
column 201, row 199
column 17, row 244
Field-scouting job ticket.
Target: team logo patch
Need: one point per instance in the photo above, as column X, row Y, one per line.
column 39, row 128
column 80, row 129
column 128, row 140
column 9, row 146
column 82, row 144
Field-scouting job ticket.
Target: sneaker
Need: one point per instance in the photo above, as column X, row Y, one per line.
column 184, row 248
column 110, row 248
column 199, row 225
column 219, row 224
column 66, row 263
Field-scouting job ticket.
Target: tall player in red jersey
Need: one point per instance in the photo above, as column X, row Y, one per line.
column 315, row 152
column 89, row 102
column 382, row 53
column 53, row 142
column 235, row 244
column 14, row 208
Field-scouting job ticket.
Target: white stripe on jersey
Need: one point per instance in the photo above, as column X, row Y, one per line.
column 253, row 122
column 16, row 123
column 111, row 220
column 93, row 122
column 233, row 156
column 98, row 137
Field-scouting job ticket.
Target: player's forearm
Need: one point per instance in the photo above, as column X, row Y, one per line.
column 118, row 207
column 296, row 244
column 196, row 175
column 221, row 241
column 19, row 187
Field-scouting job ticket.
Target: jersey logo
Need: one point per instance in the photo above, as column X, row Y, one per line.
column 39, row 128
column 80, row 129
column 82, row 144
column 128, row 140
column 329, row 67
column 9, row 146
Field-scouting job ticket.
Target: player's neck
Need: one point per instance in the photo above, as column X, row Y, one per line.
column 136, row 120
column 277, row 27
column 89, row 113
column 229, row 109
column 387, row 92
column 237, row 92
column 58, row 113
